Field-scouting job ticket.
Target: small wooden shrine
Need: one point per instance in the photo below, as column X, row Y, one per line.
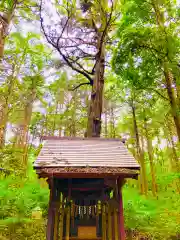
column 85, row 177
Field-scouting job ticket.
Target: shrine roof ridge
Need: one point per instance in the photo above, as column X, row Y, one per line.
column 82, row 138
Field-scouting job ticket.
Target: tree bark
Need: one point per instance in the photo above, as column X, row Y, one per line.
column 95, row 109
column 5, row 20
column 27, row 118
column 23, row 139
column 106, row 124
column 151, row 160
column 54, row 121
column 139, row 153
column 73, row 133
column 5, row 109
column 113, row 131
column 172, row 99
column 176, row 163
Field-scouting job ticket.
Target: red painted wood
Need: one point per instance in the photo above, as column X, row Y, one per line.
column 122, row 235
column 53, row 207
column 50, row 223
column 113, row 232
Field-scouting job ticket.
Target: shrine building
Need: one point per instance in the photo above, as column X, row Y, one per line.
column 85, row 177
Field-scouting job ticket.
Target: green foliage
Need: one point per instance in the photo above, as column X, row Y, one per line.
column 157, row 218
column 18, row 198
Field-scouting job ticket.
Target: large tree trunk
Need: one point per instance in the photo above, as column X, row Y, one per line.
column 95, row 109
column 139, row 154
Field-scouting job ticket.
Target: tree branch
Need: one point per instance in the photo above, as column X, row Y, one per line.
column 76, row 62
column 74, row 68
column 85, row 74
column 81, row 84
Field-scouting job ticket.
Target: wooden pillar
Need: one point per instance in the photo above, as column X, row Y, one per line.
column 56, row 222
column 104, row 225
column 61, row 222
column 68, row 214
column 122, row 235
column 113, row 230
column 68, row 223
column 109, row 224
column 116, row 235
column 52, row 224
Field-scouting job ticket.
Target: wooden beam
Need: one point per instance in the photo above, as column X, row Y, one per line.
column 85, row 175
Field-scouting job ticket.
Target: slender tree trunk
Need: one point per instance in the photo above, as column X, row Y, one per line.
column 54, row 122
column 60, row 131
column 151, row 158
column 8, row 97
column 95, row 110
column 113, row 131
column 173, row 146
column 46, row 125
column 173, row 99
column 42, row 127
column 5, row 109
column 5, row 20
column 23, row 140
column 106, row 124
column 139, row 153
column 174, row 160
column 3, row 124
column 27, row 118
column 74, row 115
column 177, row 90
column 158, row 150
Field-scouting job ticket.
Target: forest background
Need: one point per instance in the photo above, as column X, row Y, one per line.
column 91, row 68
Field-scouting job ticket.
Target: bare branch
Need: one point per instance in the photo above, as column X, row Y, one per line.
column 74, row 68
column 81, row 84
column 76, row 41
column 75, row 61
